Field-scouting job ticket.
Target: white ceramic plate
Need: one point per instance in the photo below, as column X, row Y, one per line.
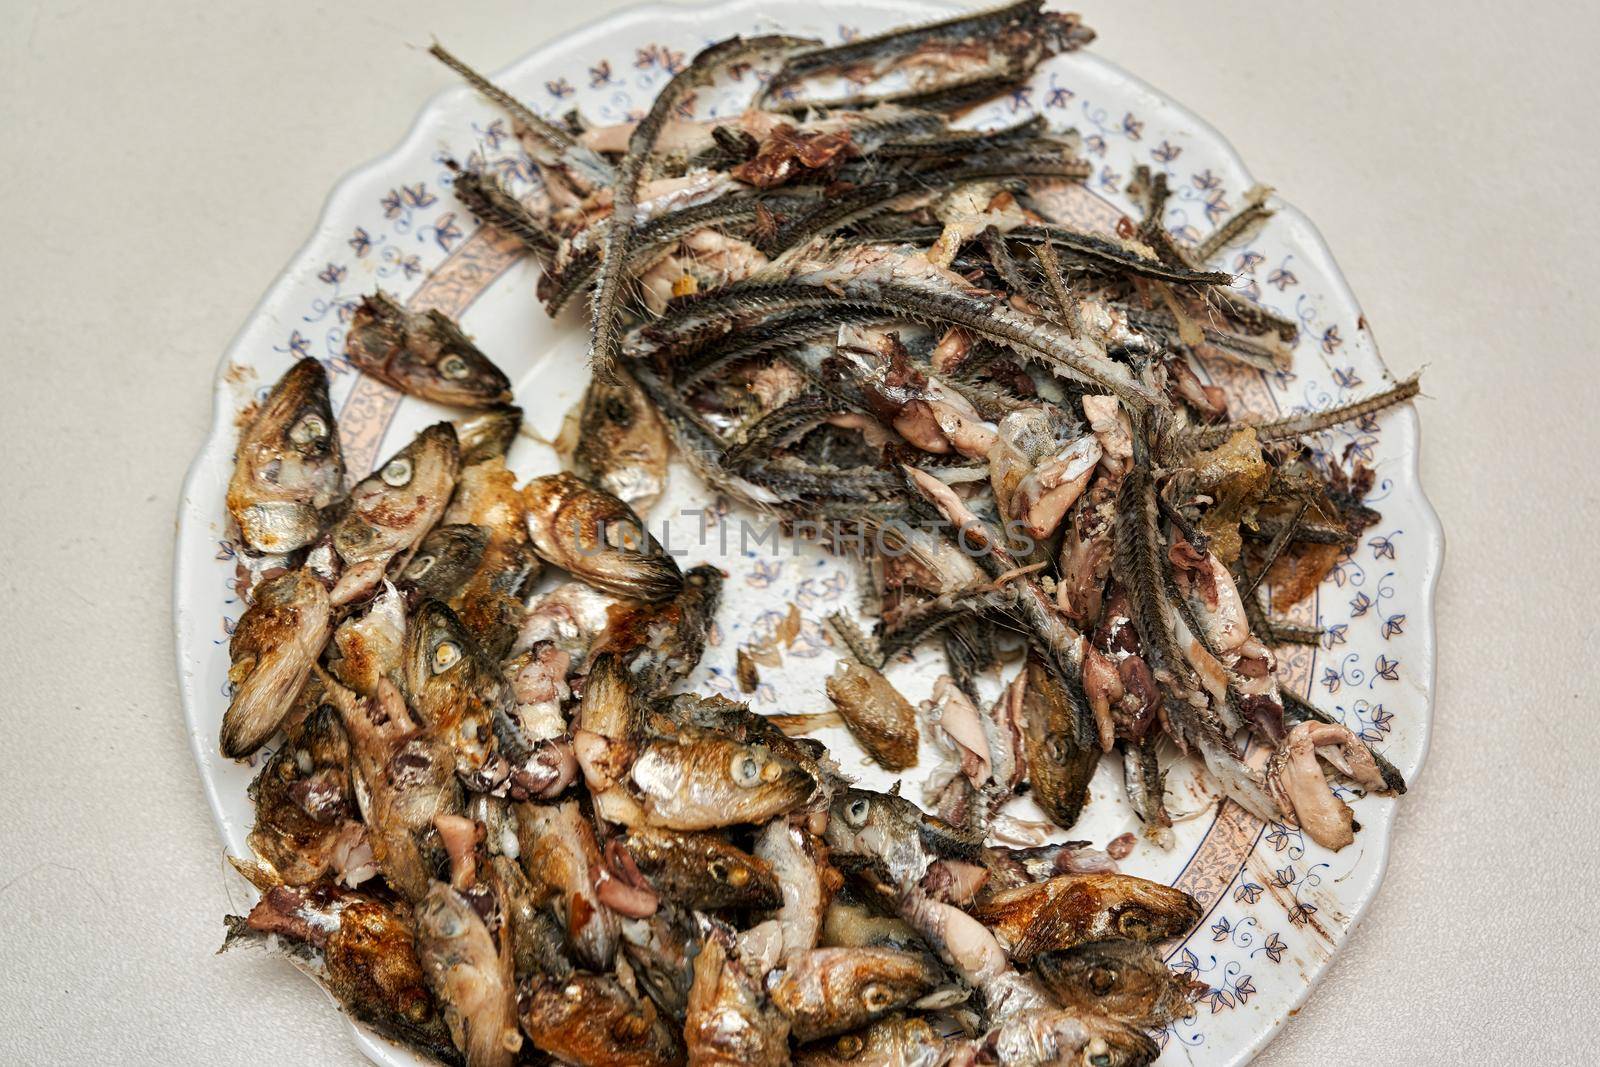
column 1277, row 907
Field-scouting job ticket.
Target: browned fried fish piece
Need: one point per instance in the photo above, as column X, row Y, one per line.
column 831, row 990
column 878, row 716
column 305, row 826
column 488, row 433
column 392, row 509
column 1062, row 754
column 597, row 538
column 659, row 644
column 701, row 870
column 273, row 648
column 367, row 957
column 409, row 779
column 591, row 1019
column 1120, row 979
column 731, row 1023
column 702, row 780
column 289, row 467
column 469, row 969
column 897, row 1041
column 423, row 354
column 559, row 851
column 594, row 536
column 489, row 599
column 622, row 444
column 1070, row 909
column 460, row 693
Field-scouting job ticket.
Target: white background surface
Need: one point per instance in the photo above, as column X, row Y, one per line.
column 160, row 163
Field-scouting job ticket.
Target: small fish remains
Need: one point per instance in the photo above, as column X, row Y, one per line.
column 498, row 829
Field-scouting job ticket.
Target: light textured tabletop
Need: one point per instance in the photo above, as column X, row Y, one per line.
column 161, row 162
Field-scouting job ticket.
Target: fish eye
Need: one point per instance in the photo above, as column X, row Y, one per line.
column 877, row 997
column 718, row 870
column 310, row 429
column 1134, row 924
column 454, row 367
column 396, row 472
column 449, row 924
column 1102, row 980
column 746, row 769
column 420, row 566
column 849, row 1046
column 445, row 656
column 1055, row 746
column 855, row 813
column 1098, row 1052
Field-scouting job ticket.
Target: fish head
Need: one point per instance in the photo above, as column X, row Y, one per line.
column 1121, row 979
column 440, row 655
column 703, row 870
column 1149, row 911
column 622, row 443
column 395, row 506
column 1065, row 1037
column 290, row 466
column 443, row 562
column 489, row 433
column 271, row 653
column 1112, row 1044
column 372, row 968
column 457, row 690
column 598, row 538
column 880, row 826
column 701, row 781
column 830, row 990
column 424, row 355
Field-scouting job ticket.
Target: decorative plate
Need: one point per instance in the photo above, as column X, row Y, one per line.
column 1277, row 907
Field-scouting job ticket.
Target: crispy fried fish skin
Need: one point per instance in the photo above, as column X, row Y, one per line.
column 470, row 974
column 702, row 870
column 443, row 563
column 559, row 852
column 1061, row 760
column 878, row 716
column 273, row 649
column 304, row 801
column 1047, row 1036
column 1071, row 909
column 393, row 508
column 407, row 778
column 622, row 443
column 368, row 958
column 289, row 466
column 461, row 695
column 1120, row 979
column 897, row 1041
column 828, row 991
column 730, row 1021
column 489, row 601
column 596, row 537
column 369, row 646
column 702, row 780
column 423, row 354
column 660, row 644
column 488, row 433
column 591, row 1019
